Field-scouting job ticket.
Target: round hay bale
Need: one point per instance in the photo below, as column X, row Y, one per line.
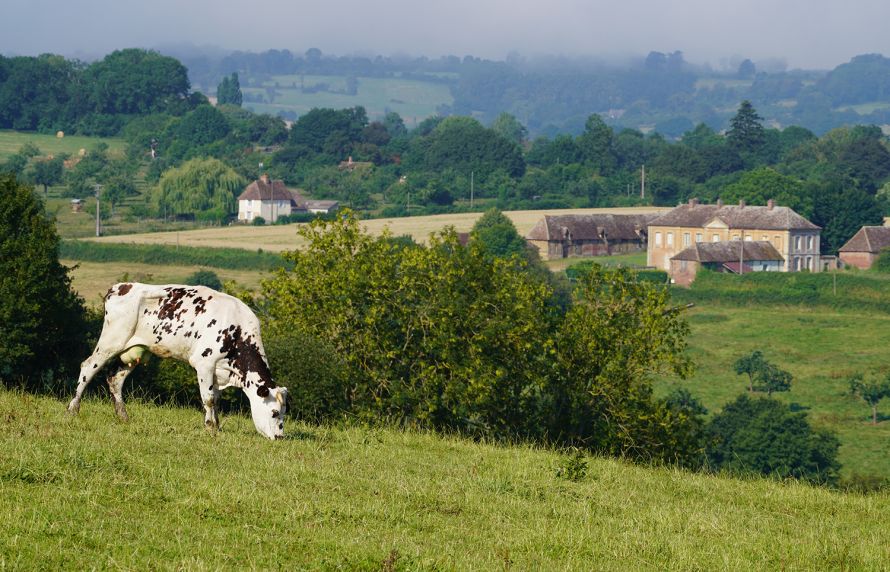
column 60, row 134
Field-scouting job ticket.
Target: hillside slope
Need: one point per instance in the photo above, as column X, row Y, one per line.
column 160, row 492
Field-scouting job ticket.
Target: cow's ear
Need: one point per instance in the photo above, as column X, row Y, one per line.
column 280, row 396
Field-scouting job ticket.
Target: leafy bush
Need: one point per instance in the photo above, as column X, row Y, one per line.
column 312, row 372
column 258, row 221
column 446, row 336
column 763, row 436
column 205, row 277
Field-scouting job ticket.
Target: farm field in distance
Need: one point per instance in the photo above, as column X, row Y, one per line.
column 414, row 100
column 89, row 492
column 11, row 141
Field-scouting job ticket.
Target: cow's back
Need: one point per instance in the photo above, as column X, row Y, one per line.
column 175, row 320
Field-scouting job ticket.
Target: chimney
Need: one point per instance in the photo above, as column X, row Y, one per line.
column 693, row 202
column 719, row 203
column 741, row 203
column 265, row 178
column 770, row 204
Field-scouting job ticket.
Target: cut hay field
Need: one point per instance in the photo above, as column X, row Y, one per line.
column 92, row 279
column 11, row 141
column 414, row 100
column 284, row 237
column 160, row 493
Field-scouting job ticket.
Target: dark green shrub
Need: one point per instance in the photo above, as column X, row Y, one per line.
column 258, row 221
column 763, row 436
column 205, row 277
column 315, row 376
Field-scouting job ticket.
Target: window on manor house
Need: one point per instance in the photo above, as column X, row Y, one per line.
column 657, row 239
column 670, row 239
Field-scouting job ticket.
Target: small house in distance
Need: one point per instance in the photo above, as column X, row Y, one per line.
column 268, row 199
column 735, row 256
column 561, row 236
column 864, row 247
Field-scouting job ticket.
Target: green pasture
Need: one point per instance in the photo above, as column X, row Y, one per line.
column 11, row 142
column 160, row 492
column 821, row 335
column 414, row 100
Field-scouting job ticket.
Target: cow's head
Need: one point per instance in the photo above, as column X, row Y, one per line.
column 267, row 407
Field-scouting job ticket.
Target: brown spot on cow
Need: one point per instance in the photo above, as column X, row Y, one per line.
column 245, row 356
column 206, row 352
column 124, row 288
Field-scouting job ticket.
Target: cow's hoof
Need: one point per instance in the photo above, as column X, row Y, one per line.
column 73, row 408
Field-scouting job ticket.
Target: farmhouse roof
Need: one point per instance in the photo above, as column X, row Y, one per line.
column 590, row 227
column 268, row 190
column 728, row 251
column 868, row 239
column 322, row 205
column 694, row 215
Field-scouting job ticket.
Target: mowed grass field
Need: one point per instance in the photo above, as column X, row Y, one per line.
column 414, row 100
column 11, row 142
column 284, row 237
column 821, row 348
column 160, row 492
column 92, row 279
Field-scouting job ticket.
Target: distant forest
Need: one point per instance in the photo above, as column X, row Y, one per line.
column 556, row 95
column 193, row 158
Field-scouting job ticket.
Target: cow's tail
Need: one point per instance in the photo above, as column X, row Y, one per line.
column 155, row 293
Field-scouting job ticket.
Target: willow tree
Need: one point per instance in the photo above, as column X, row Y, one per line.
column 205, row 188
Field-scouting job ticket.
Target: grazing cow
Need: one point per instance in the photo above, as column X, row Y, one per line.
column 214, row 332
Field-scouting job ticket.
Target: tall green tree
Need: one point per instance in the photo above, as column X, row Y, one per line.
column 508, row 127
column 228, row 92
column 42, row 320
column 497, row 235
column 595, row 145
column 136, row 81
column 48, row 172
column 768, row 376
column 746, row 131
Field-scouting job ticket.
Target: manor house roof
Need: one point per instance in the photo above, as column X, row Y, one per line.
column 728, row 251
column 770, row 217
column 264, row 189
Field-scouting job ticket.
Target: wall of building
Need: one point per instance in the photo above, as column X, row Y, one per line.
column 861, row 260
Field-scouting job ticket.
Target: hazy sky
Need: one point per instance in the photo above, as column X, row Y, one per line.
column 804, row 33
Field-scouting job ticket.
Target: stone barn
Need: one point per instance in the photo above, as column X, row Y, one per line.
column 865, row 246
column 561, row 236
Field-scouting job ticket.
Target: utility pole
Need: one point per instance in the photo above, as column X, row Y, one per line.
column 643, row 182
column 98, row 188
column 471, row 189
column 742, row 253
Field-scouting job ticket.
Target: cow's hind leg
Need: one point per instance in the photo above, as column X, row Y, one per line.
column 116, row 385
column 88, row 369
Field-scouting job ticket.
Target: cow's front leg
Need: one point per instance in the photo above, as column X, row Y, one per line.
column 209, row 397
column 116, row 385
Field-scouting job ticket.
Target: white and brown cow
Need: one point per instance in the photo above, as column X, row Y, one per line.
column 214, row 332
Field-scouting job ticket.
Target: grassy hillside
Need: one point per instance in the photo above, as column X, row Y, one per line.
column 11, row 141
column 159, row 492
column 414, row 100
